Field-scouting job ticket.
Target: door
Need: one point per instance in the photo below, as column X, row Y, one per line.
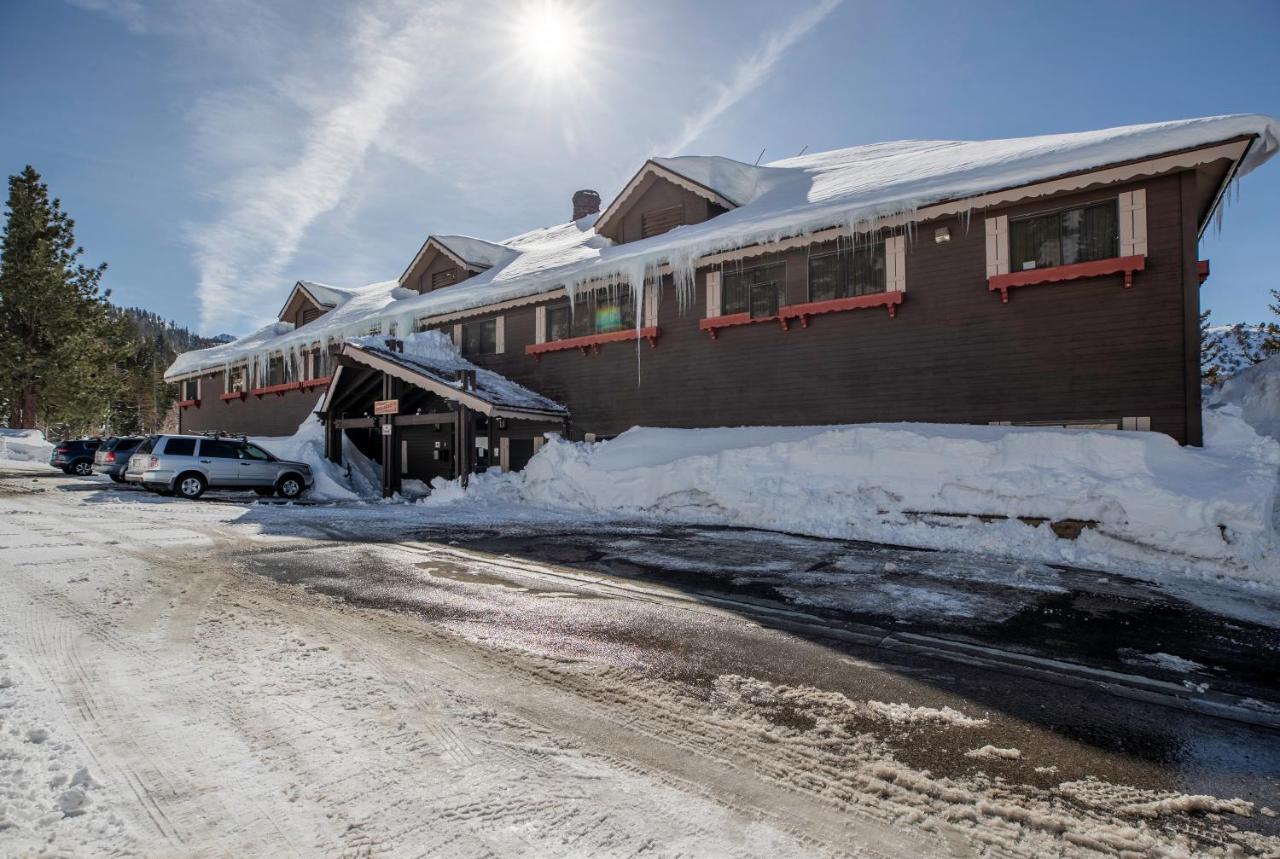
column 257, row 467
column 220, row 460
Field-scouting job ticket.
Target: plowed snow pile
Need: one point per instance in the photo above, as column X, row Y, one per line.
column 1157, row 505
column 27, row 446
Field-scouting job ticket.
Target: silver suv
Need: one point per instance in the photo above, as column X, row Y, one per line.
column 187, row 465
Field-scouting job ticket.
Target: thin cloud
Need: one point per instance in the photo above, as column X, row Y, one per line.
column 128, row 12
column 747, row 76
column 246, row 251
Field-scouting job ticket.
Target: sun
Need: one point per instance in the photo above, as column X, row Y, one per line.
column 549, row 38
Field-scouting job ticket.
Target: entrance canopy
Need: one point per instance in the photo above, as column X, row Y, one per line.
column 431, row 362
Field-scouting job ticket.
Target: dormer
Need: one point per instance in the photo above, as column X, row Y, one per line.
column 445, row 260
column 308, row 301
column 670, row 192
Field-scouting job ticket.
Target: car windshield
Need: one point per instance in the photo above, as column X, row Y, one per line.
column 252, row 451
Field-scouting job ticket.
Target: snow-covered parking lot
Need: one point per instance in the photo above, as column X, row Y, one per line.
column 239, row 678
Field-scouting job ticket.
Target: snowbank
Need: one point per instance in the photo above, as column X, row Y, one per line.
column 357, row 479
column 24, row 445
column 1154, row 502
column 1253, row 394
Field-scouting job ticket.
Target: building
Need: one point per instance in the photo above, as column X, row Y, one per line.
column 1045, row 280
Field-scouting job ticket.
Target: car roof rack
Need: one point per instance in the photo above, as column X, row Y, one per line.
column 219, row 434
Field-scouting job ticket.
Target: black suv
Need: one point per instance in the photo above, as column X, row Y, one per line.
column 75, row 456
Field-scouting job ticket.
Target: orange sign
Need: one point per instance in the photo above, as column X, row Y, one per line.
column 386, row 407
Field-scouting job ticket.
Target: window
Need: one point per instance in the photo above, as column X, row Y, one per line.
column 1064, row 238
column 219, row 449
column 659, row 221
column 597, row 312
column 180, row 447
column 191, row 389
column 759, row 291
column 252, row 451
column 847, row 272
column 275, row 370
column 235, row 379
column 480, row 338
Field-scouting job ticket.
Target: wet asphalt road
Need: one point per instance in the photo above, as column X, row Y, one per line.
column 645, row 599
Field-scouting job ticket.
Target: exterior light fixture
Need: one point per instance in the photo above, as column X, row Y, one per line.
column 942, row 234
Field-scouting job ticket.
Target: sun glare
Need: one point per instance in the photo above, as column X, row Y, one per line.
column 550, row 38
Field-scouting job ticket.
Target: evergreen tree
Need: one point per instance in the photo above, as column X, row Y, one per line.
column 1271, row 340
column 57, row 338
column 1211, row 369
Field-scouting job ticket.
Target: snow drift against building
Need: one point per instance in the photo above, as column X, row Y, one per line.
column 1253, row 394
column 1156, row 505
column 848, row 188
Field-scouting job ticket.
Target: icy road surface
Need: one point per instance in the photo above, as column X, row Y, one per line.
column 231, row 678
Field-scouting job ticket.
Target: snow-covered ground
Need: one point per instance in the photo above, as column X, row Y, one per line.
column 167, row 688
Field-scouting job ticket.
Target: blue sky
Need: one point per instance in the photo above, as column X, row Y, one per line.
column 214, row 152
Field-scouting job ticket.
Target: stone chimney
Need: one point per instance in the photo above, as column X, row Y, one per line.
column 585, row 203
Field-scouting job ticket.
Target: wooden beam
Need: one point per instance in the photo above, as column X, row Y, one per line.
column 353, row 423
column 431, row 418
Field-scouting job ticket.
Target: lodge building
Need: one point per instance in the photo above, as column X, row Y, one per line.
column 1039, row 281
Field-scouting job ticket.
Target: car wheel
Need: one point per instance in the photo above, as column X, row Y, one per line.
column 82, row 468
column 117, row 478
column 290, row 486
column 190, row 486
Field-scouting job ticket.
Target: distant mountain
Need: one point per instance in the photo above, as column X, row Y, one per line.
column 152, row 326
column 223, row 338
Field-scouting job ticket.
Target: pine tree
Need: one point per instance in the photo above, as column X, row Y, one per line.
column 1271, row 339
column 57, row 342
column 1211, row 369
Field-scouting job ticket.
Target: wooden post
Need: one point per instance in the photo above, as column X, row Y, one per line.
column 390, row 442
column 332, row 440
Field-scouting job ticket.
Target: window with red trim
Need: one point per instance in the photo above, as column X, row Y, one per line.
column 1065, row 237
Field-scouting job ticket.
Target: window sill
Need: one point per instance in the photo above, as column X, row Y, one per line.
column 593, row 342
column 280, row 390
column 318, row 382
column 232, row 395
column 186, row 404
column 802, row 312
column 1062, row 273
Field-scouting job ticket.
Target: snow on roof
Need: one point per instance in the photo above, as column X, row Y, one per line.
column 738, row 183
column 843, row 188
column 477, row 252
column 364, row 308
column 433, row 355
column 329, row 296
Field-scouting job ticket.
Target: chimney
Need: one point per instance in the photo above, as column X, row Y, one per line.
column 585, row 203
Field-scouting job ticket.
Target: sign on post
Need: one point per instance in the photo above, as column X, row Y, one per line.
column 386, row 407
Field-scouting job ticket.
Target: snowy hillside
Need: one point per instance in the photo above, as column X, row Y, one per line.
column 1236, row 345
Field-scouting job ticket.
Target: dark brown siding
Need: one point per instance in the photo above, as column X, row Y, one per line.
column 270, row 415
column 441, row 266
column 657, row 195
column 1082, row 350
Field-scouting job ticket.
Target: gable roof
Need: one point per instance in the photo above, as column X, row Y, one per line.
column 432, row 362
column 858, row 188
column 471, row 253
column 323, row 296
column 723, row 181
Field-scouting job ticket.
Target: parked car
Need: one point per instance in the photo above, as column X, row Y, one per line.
column 112, row 457
column 187, row 465
column 75, row 456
